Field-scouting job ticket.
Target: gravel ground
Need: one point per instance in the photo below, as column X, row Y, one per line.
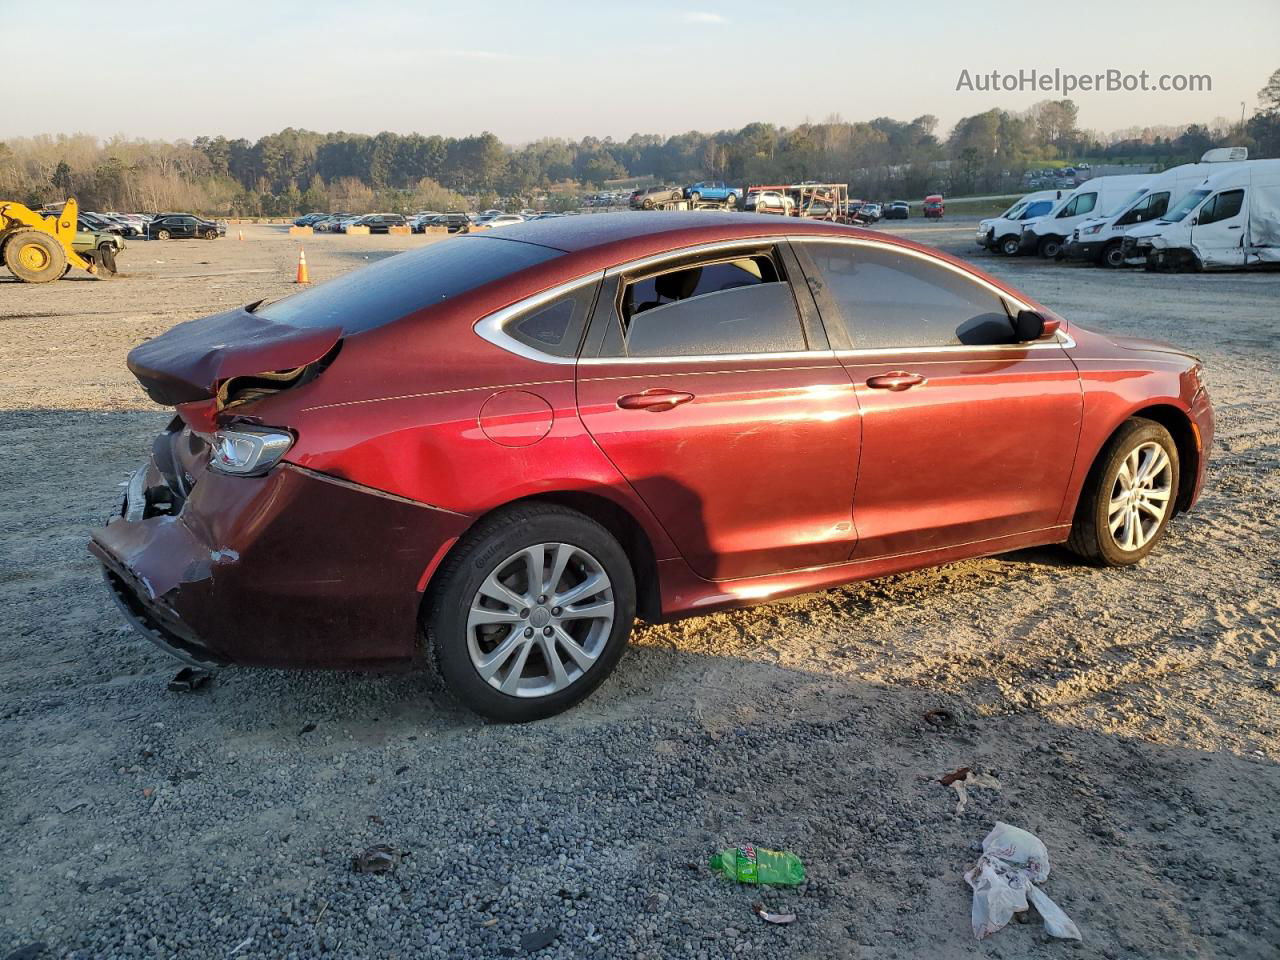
column 1132, row 717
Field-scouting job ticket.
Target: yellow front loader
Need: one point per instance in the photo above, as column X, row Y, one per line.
column 37, row 247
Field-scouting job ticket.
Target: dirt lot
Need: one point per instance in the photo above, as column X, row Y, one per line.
column 1132, row 717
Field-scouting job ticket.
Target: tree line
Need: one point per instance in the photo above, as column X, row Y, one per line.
column 299, row 170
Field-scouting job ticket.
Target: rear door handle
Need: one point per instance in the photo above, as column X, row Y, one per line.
column 898, row 380
column 655, row 401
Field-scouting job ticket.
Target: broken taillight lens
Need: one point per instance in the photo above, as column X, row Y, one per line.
column 248, row 451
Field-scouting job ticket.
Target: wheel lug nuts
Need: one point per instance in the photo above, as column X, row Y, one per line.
column 524, row 612
column 528, row 631
column 555, row 611
column 547, row 631
column 542, row 599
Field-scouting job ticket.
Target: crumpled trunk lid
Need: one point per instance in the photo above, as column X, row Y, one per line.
column 187, row 363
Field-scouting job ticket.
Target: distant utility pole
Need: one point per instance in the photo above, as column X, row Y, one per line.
column 1241, row 114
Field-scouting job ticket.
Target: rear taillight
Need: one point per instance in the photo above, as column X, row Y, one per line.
column 248, row 451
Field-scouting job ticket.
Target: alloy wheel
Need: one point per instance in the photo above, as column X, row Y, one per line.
column 540, row 620
column 1140, row 496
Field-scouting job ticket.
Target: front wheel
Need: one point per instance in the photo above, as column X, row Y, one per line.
column 211, row 235
column 530, row 612
column 1009, row 246
column 1129, row 497
column 1050, row 247
column 1113, row 255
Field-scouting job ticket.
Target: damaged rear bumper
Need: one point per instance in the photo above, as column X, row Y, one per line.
column 294, row 568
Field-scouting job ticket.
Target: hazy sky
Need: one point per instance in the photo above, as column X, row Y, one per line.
column 568, row 69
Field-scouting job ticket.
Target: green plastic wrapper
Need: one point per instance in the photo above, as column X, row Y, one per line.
column 757, row 865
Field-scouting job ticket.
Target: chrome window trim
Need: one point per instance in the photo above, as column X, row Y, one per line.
column 709, row 358
column 1061, row 340
column 491, row 327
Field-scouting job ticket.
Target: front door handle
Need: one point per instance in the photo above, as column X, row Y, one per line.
column 655, row 401
column 898, row 380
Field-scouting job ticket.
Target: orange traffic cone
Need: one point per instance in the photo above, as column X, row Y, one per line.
column 241, row 232
column 303, row 276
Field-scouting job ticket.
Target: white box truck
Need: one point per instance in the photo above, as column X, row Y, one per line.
column 1046, row 235
column 1230, row 220
column 1001, row 233
column 1101, row 239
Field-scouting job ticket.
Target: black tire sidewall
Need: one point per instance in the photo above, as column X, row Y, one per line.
column 1008, row 240
column 1049, row 248
column 475, row 559
column 1133, row 434
column 1107, row 251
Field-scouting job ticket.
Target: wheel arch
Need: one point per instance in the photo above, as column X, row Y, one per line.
column 1181, row 427
column 611, row 515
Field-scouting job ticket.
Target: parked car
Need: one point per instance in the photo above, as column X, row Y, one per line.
column 183, row 225
column 500, row 220
column 649, row 197
column 381, row 222
column 529, row 443
column 934, row 207
column 898, row 210
column 870, row 213
column 343, row 222
column 456, row 222
column 97, row 246
column 713, row 191
column 769, row 201
column 309, row 219
column 1003, row 234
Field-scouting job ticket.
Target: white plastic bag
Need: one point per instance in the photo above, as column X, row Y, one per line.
column 1004, row 878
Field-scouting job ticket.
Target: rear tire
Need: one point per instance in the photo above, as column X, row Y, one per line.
column 34, row 257
column 466, row 629
column 162, row 234
column 1117, row 495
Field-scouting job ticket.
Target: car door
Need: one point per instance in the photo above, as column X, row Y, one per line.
column 1217, row 232
column 967, row 435
column 709, row 383
column 186, row 227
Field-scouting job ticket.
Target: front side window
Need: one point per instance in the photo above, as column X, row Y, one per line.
column 1222, row 207
column 1081, row 203
column 1152, row 206
column 890, row 299
column 731, row 306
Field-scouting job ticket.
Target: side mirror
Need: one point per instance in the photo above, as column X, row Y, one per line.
column 1029, row 325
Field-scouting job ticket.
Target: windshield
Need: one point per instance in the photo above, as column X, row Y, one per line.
column 402, row 284
column 1012, row 212
column 1185, row 205
column 1037, row 209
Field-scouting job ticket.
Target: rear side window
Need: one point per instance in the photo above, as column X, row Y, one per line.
column 389, row 289
column 1222, row 207
column 556, row 328
column 890, row 299
column 760, row 318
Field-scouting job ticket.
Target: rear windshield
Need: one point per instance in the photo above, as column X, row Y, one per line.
column 407, row 282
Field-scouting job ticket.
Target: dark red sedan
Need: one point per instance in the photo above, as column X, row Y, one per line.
column 495, row 452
